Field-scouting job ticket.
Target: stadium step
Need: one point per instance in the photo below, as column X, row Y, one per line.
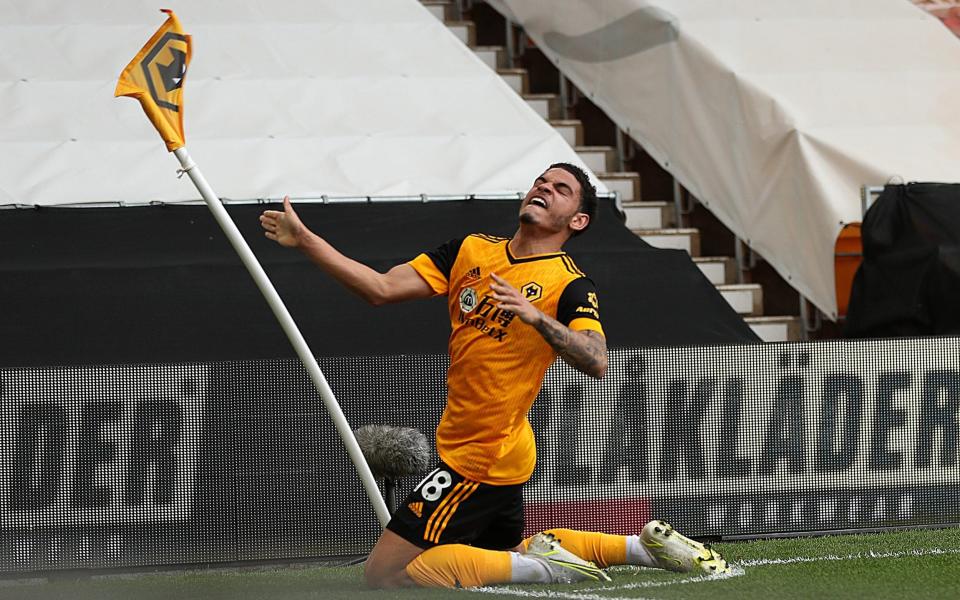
column 545, row 105
column 626, row 184
column 647, row 215
column 745, row 298
column 464, row 30
column 776, row 329
column 494, row 57
column 600, row 159
column 517, row 79
column 570, row 129
column 441, row 9
column 676, row 239
column 720, row 270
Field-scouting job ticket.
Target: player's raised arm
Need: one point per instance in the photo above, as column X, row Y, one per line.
column 399, row 283
column 585, row 351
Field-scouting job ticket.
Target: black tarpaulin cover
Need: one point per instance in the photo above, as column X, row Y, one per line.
column 161, row 283
column 909, row 281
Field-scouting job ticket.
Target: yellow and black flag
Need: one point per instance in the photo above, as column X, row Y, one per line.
column 155, row 78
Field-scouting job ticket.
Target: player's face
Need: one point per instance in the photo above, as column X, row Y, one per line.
column 553, row 201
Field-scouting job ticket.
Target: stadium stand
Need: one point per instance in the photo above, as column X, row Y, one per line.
column 656, row 222
column 313, row 146
column 848, row 146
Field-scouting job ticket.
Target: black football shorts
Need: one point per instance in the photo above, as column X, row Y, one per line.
column 447, row 508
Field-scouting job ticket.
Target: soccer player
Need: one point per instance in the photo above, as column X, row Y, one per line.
column 514, row 306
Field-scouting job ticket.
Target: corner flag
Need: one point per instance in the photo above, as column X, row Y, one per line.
column 155, row 78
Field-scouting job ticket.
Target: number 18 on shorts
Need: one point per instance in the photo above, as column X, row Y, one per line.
column 446, row 507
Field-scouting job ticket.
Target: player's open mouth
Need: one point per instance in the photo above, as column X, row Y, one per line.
column 538, row 201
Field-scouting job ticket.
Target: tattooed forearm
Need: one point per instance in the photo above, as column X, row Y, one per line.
column 585, row 351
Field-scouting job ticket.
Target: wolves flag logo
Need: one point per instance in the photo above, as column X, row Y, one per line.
column 155, row 77
column 171, row 75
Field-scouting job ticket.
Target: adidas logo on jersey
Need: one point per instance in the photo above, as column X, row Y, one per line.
column 473, row 273
column 416, row 508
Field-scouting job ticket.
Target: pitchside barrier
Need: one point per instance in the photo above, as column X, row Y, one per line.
column 120, row 466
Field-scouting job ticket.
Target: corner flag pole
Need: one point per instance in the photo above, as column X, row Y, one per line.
column 289, row 327
column 155, row 78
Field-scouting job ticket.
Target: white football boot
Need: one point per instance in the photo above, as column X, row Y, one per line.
column 564, row 566
column 676, row 552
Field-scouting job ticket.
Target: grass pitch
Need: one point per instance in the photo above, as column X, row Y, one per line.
column 914, row 564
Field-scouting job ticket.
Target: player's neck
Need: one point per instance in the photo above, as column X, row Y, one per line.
column 527, row 243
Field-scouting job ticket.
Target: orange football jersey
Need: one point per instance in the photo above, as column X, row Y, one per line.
column 497, row 362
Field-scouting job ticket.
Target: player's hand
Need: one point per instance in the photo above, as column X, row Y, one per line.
column 285, row 227
column 509, row 298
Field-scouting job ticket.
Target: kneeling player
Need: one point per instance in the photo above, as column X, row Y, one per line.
column 514, row 305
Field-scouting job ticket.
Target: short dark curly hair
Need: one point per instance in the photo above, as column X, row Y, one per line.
column 588, row 193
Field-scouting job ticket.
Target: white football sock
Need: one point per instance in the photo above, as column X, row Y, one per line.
column 527, row 570
column 637, row 553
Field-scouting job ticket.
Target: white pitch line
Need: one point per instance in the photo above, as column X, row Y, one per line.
column 587, row 595
column 763, row 562
column 527, row 593
column 736, row 571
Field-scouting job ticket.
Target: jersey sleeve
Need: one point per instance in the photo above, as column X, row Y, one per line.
column 579, row 307
column 435, row 266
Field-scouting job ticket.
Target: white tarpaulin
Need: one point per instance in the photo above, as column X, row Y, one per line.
column 307, row 98
column 772, row 112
